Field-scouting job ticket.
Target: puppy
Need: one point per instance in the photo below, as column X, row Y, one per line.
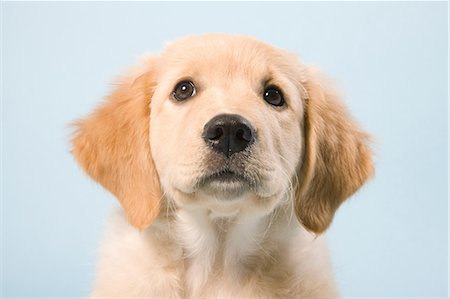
column 229, row 159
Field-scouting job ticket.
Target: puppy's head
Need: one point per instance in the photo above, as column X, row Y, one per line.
column 225, row 123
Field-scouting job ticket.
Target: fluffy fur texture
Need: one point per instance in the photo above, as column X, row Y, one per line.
column 255, row 238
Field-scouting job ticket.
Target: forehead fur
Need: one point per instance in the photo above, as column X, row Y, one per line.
column 229, row 54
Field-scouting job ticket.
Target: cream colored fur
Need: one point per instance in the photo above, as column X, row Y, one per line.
column 177, row 238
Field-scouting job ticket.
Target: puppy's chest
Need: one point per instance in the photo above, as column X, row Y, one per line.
column 250, row 276
column 238, row 283
column 165, row 261
column 225, row 260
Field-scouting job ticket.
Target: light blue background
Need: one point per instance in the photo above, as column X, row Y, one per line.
column 390, row 59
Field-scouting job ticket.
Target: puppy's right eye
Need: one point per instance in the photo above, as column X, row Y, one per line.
column 183, row 91
column 273, row 96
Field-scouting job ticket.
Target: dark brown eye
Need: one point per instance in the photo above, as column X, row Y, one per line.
column 273, row 96
column 183, row 91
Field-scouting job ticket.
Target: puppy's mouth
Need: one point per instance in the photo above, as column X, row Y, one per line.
column 225, row 176
column 227, row 182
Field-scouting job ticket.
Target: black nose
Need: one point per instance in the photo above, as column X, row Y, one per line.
column 228, row 134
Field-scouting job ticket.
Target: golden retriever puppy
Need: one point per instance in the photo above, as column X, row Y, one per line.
column 229, row 159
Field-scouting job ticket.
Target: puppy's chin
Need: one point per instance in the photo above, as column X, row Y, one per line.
column 227, row 198
column 228, row 189
column 226, row 186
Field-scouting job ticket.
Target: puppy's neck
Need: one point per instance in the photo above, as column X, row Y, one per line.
column 230, row 245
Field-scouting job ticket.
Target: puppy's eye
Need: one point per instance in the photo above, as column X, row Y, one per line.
column 273, row 96
column 183, row 91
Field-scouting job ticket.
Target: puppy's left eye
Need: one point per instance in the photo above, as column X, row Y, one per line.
column 183, row 90
column 273, row 96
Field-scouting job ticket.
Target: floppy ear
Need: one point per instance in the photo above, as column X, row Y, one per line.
column 336, row 161
column 112, row 145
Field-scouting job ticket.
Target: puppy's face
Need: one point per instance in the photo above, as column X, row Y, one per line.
column 225, row 123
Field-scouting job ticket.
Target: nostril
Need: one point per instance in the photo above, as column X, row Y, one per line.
column 240, row 134
column 218, row 133
column 214, row 133
column 244, row 134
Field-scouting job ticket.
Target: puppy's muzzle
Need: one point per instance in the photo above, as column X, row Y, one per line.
column 228, row 134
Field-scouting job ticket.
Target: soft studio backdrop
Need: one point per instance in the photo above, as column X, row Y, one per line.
column 390, row 59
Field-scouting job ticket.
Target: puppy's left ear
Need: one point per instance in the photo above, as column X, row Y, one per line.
column 336, row 159
column 112, row 145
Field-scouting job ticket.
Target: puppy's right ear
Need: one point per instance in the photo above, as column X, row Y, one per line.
column 112, row 145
